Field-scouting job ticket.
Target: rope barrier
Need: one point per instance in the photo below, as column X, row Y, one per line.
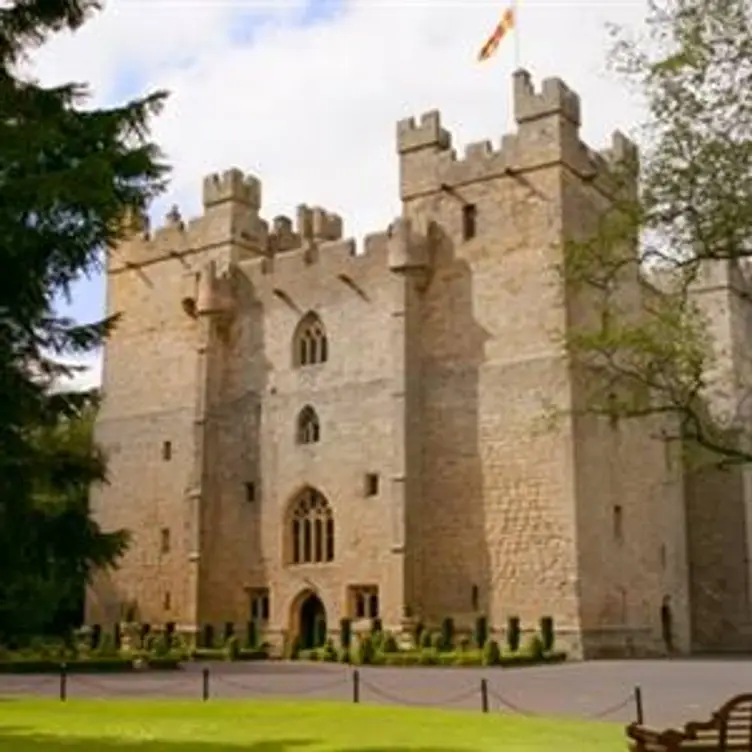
column 165, row 684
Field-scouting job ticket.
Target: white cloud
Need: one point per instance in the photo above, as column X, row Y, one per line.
column 312, row 109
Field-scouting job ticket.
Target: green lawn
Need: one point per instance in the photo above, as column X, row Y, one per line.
column 266, row 726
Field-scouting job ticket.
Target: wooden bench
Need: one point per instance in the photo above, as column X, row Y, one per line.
column 728, row 730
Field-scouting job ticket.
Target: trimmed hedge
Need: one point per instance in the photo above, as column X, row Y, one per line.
column 221, row 654
column 83, row 665
column 434, row 657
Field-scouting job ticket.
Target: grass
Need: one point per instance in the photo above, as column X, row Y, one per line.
column 289, row 726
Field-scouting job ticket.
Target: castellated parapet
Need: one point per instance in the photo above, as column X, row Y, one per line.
column 232, row 186
column 548, row 123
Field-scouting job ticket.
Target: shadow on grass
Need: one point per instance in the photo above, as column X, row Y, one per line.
column 18, row 740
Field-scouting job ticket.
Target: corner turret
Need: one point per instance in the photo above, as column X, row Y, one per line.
column 554, row 98
column 232, row 186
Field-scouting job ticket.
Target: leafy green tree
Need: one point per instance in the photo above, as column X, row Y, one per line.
column 650, row 352
column 68, row 175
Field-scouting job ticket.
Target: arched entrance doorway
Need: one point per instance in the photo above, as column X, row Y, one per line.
column 311, row 622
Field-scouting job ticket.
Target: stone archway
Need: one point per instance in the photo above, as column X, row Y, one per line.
column 309, row 617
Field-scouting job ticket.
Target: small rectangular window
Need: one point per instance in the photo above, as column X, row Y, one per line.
column 372, row 484
column 469, row 221
column 167, row 603
column 260, row 605
column 250, row 492
column 165, row 540
column 363, row 601
column 167, row 451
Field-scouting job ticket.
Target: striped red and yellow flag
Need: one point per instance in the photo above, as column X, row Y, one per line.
column 502, row 29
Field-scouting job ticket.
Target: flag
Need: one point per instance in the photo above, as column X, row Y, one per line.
column 502, row 29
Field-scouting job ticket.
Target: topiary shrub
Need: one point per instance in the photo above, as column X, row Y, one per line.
column 480, row 634
column 329, row 652
column 207, row 637
column 418, row 630
column 365, row 651
column 232, row 648
column 389, row 644
column 547, row 633
column 425, row 640
column 117, row 636
column 534, row 647
column 160, row 645
column 229, row 631
column 513, row 634
column 251, row 638
column 144, row 633
column 447, row 633
column 96, row 636
column 437, row 641
column 491, row 653
column 345, row 634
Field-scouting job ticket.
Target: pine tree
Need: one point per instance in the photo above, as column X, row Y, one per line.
column 68, row 175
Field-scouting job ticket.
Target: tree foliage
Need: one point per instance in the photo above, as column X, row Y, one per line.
column 654, row 352
column 68, row 175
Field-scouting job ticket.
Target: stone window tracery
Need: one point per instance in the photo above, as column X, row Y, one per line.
column 308, row 428
column 311, row 529
column 310, row 342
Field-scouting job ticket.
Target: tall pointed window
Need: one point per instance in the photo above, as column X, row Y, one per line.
column 310, row 345
column 308, row 428
column 311, row 529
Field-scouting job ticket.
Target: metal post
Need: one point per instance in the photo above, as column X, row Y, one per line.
column 205, row 684
column 356, row 686
column 63, row 682
column 638, row 705
column 484, row 695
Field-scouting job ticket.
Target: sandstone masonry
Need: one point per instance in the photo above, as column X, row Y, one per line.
column 299, row 432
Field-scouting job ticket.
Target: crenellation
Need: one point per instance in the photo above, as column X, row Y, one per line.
column 622, row 152
column 283, row 237
column 478, row 150
column 555, row 98
column 232, row 185
column 429, row 134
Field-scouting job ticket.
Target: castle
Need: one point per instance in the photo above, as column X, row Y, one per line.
column 300, row 431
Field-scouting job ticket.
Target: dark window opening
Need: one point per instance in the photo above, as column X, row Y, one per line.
column 166, row 450
column 165, row 540
column 372, row 484
column 250, row 492
column 618, row 523
column 167, row 603
column 469, row 221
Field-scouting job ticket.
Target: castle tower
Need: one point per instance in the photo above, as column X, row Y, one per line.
column 553, row 522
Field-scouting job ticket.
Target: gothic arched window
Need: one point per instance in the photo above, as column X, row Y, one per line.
column 311, row 529
column 308, row 428
column 310, row 345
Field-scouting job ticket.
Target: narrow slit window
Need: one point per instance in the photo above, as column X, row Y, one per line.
column 469, row 221
column 372, row 484
column 166, row 451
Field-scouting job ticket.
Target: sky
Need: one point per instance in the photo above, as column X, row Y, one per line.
column 305, row 94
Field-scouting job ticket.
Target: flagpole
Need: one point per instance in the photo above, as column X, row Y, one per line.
column 516, row 11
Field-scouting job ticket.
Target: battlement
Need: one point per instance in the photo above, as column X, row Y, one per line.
column 548, row 133
column 315, row 223
column 555, row 98
column 232, row 185
column 429, row 134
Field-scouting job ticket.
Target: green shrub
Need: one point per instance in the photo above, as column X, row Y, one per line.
column 491, row 653
column 376, row 627
column 428, row 657
column 345, row 634
column 464, row 644
column 251, row 638
column 547, row 633
column 365, row 651
column 513, row 634
column 425, row 640
column 229, row 631
column 437, row 641
column 447, row 633
column 534, row 647
column 480, row 634
column 232, row 648
column 107, row 647
column 294, row 650
column 329, row 652
column 418, row 634
column 389, row 644
column 160, row 645
column 207, row 637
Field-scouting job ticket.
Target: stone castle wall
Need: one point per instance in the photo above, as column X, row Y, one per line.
column 443, row 357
